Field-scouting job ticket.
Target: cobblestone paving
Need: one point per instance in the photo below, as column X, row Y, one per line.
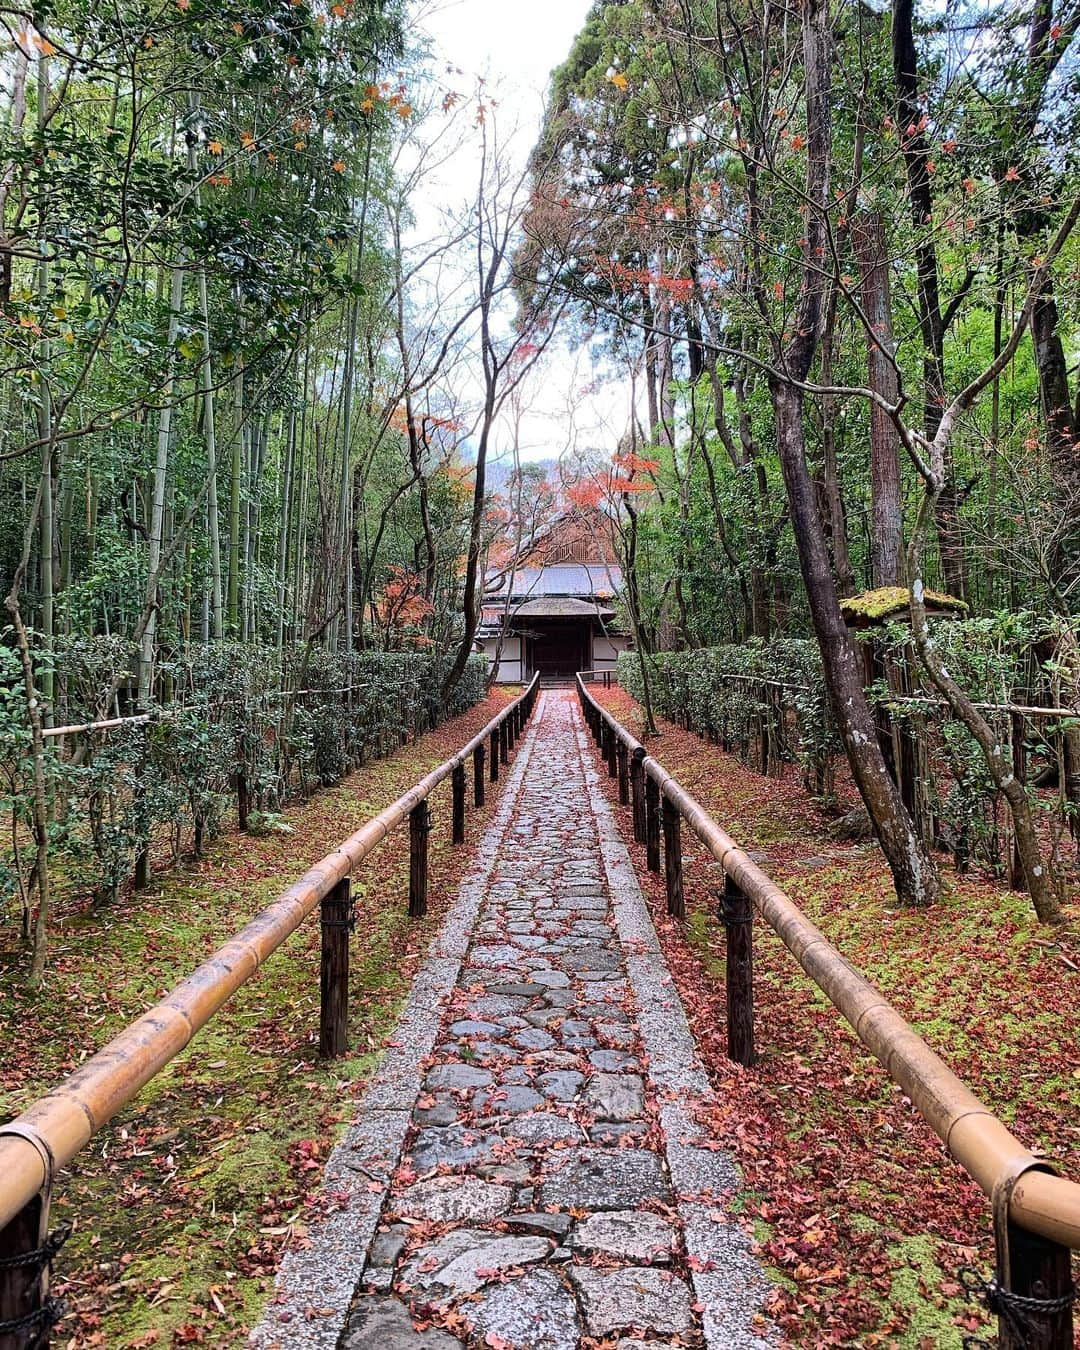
column 535, row 1204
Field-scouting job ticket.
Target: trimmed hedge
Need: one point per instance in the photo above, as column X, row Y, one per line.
column 763, row 701
column 767, row 703
column 245, row 728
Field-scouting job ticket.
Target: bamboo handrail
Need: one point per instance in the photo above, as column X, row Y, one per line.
column 1040, row 1201
column 50, row 1132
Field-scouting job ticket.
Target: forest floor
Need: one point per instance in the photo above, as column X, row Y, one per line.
column 860, row 1213
column 184, row 1203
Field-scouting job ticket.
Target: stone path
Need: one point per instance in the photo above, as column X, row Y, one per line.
column 535, row 1116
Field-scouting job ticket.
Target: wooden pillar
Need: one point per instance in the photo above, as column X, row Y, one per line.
column 25, row 1305
column 457, row 784
column 478, row 774
column 676, row 901
column 493, row 757
column 623, row 758
column 637, row 789
column 1038, row 1272
column 504, row 743
column 419, row 828
column 652, row 824
column 337, row 924
column 612, row 752
column 738, row 917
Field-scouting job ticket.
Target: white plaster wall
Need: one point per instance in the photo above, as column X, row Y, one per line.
column 605, row 650
column 509, row 671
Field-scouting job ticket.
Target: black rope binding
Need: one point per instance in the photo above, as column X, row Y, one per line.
column 1014, row 1309
column 41, row 1320
column 40, row 1256
column 38, row 1323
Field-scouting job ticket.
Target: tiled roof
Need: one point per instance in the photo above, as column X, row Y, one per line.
column 568, row 579
column 558, row 607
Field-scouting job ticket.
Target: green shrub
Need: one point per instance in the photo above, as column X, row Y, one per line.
column 246, row 726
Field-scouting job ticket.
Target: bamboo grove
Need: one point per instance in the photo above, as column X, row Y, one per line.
column 230, row 448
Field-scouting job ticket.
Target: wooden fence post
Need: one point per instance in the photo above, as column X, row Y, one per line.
column 652, row 824
column 1032, row 1271
column 624, row 773
column 26, row 1251
column 738, row 917
column 511, row 730
column 493, row 757
column 504, row 745
column 676, row 901
column 637, row 788
column 337, row 924
column 612, row 752
column 457, row 784
column 478, row 774
column 419, row 828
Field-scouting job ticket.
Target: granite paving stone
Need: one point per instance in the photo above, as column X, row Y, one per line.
column 636, row 1297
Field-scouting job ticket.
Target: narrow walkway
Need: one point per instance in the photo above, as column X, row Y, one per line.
column 540, row 1107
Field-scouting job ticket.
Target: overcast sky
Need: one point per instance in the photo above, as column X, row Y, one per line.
column 515, row 46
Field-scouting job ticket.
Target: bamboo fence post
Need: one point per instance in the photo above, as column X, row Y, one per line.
column 337, row 924
column 624, row 773
column 457, row 784
column 419, row 828
column 738, row 918
column 637, row 788
column 652, row 824
column 673, row 877
column 493, row 757
column 478, row 774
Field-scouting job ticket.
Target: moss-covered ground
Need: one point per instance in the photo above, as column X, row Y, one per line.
column 863, row 1217
column 183, row 1204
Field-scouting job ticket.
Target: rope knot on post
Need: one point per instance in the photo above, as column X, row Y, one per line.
column 1016, row 1311
column 26, row 1276
column 39, row 1321
column 39, row 1257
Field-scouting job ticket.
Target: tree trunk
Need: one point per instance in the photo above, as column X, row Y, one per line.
column 912, row 868
column 931, row 320
column 156, row 539
column 868, row 242
column 1039, row 877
